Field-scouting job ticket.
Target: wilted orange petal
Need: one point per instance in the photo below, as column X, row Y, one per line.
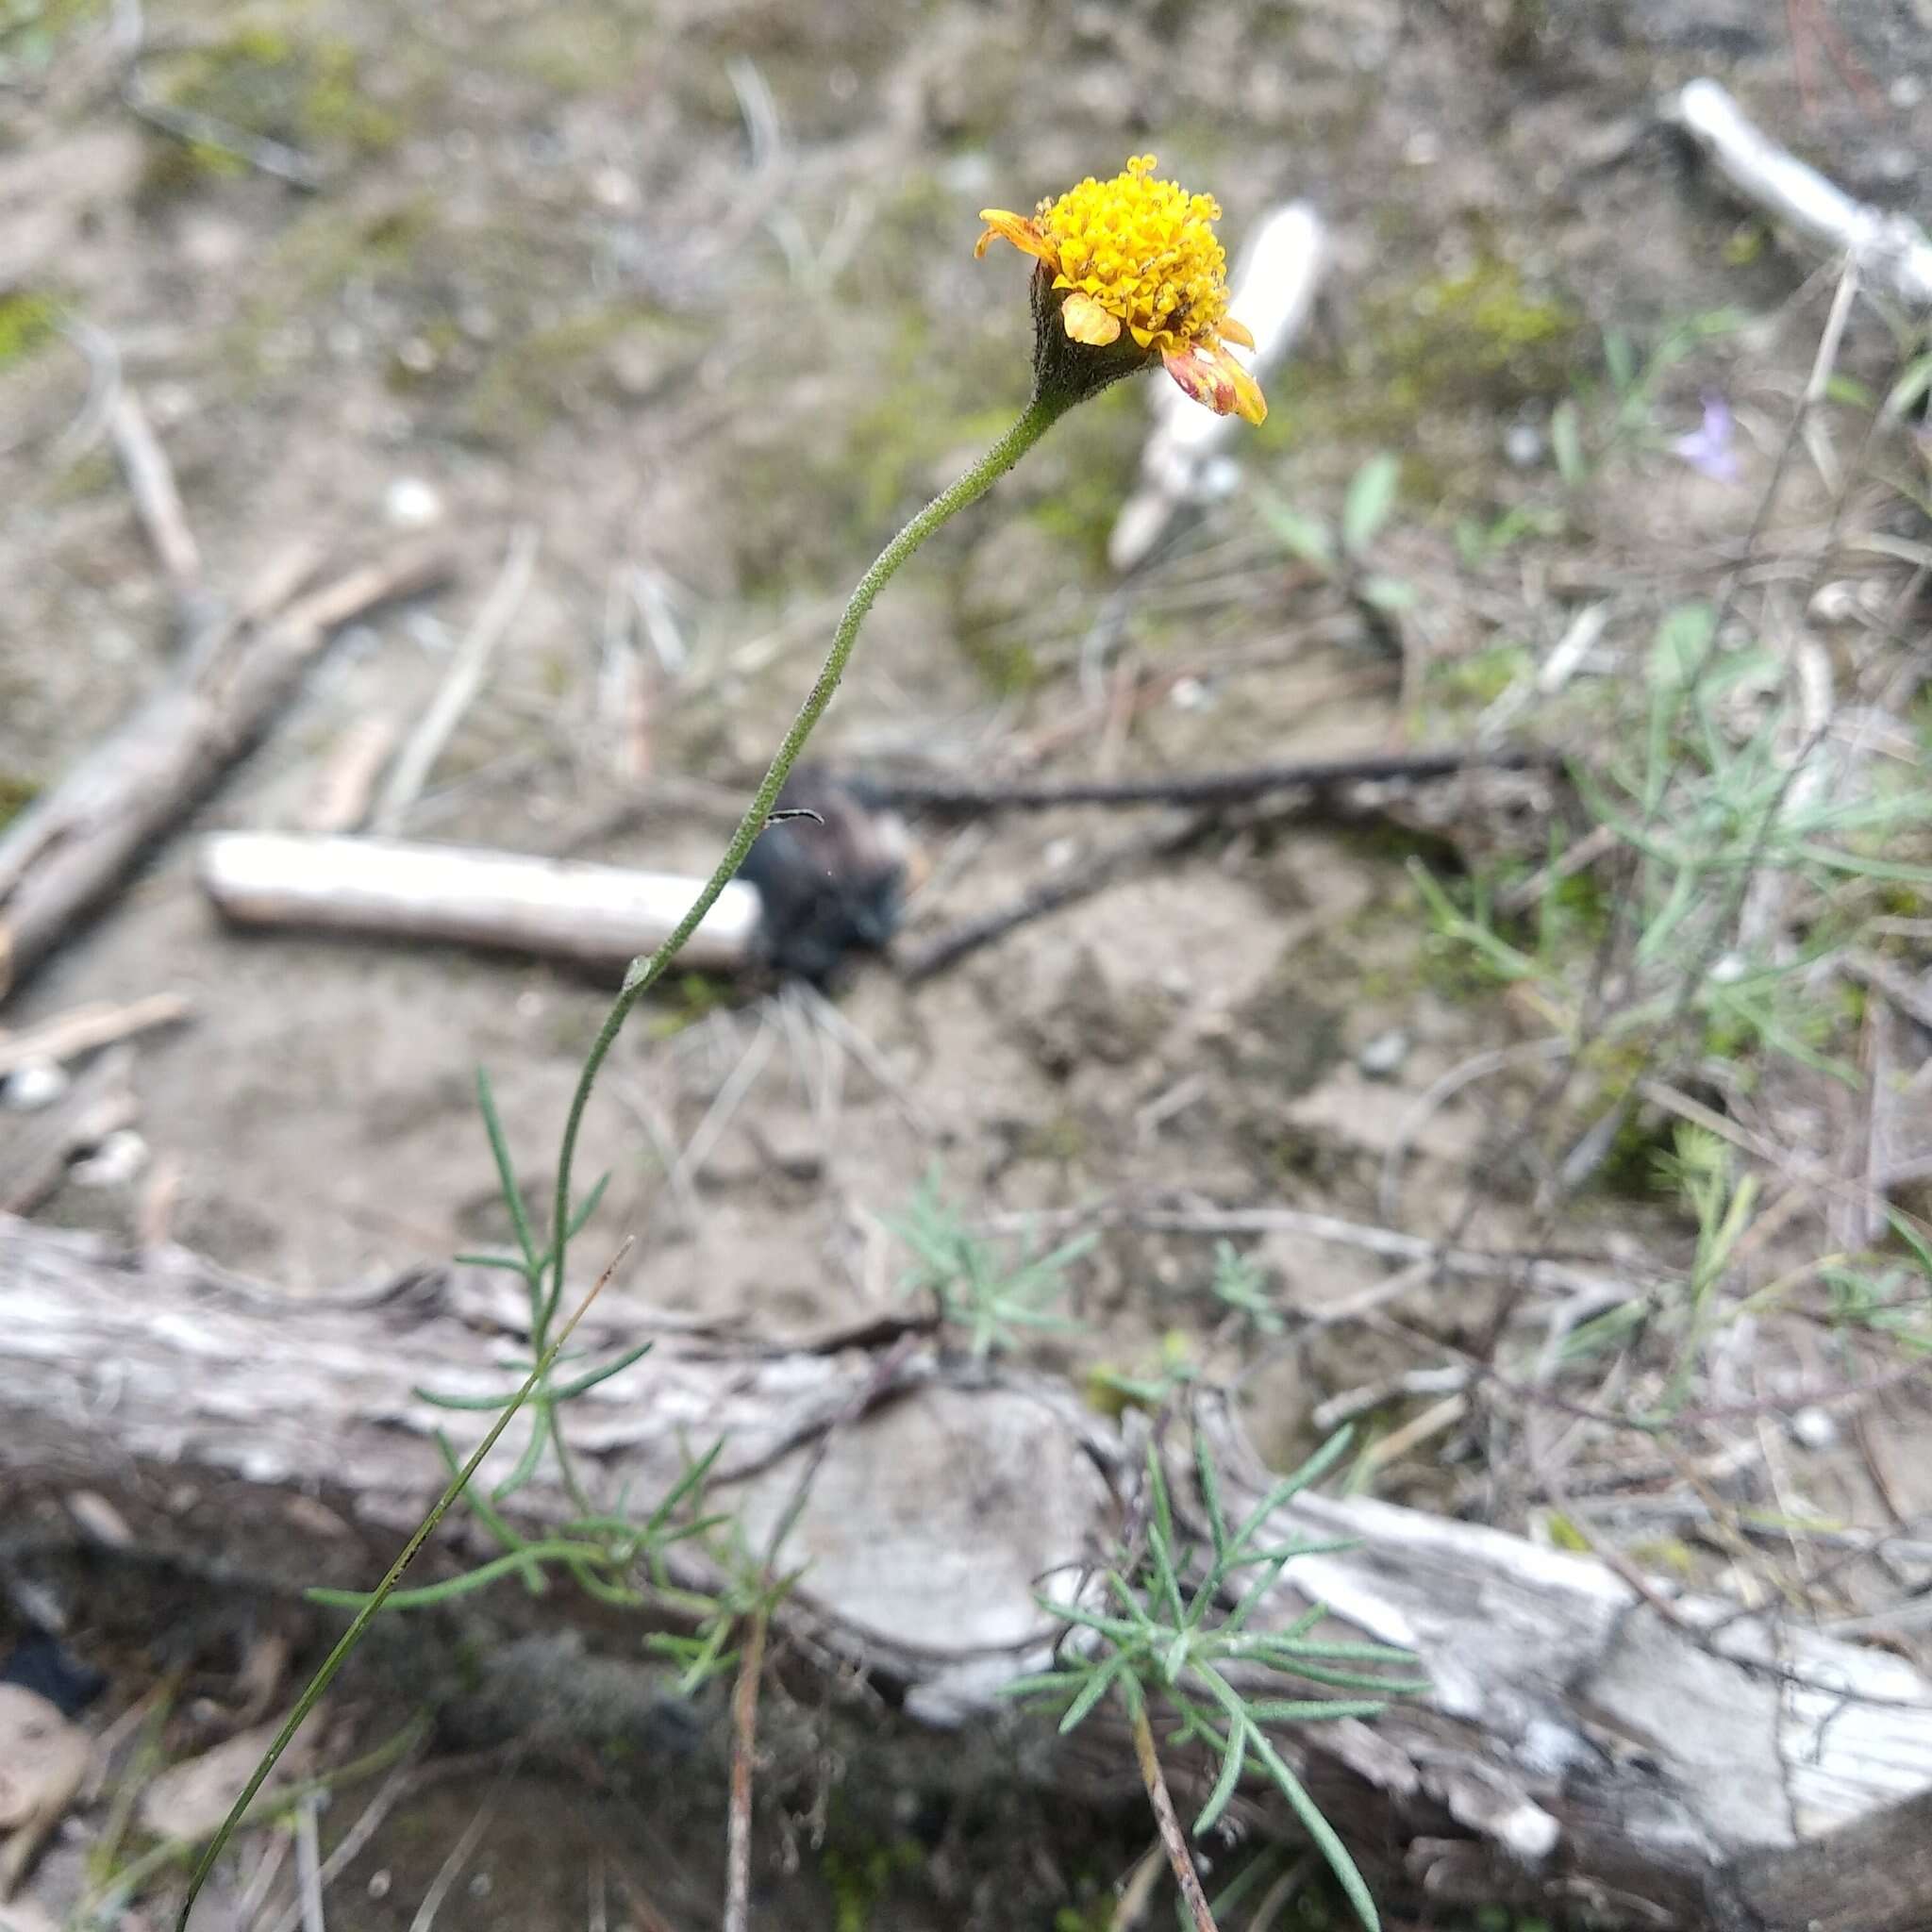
column 1086, row 320
column 1217, row 380
column 1234, row 331
column 1021, row 230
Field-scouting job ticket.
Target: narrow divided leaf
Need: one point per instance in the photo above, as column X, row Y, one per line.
column 1232, row 1761
column 1096, row 1687
column 1371, row 497
column 588, row 1381
column 506, row 1168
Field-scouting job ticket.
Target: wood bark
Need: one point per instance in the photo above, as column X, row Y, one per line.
column 1577, row 1748
column 63, row 855
column 595, row 915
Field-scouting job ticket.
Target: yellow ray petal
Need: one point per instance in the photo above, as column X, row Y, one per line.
column 1233, row 331
column 1086, row 320
column 1021, row 230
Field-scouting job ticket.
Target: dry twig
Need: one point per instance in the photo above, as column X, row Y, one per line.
column 68, row 849
column 1318, row 775
column 744, row 1731
column 467, row 671
column 1179, row 1857
column 151, row 483
column 1076, row 882
column 86, row 1029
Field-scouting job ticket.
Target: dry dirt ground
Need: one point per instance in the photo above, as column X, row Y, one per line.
column 689, row 291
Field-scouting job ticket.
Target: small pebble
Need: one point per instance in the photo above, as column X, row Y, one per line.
column 115, row 1162
column 379, row 1883
column 100, row 1521
column 1381, row 1057
column 417, row 354
column 614, row 188
column 32, row 1085
column 1523, row 446
column 1814, row 1428
column 411, row 504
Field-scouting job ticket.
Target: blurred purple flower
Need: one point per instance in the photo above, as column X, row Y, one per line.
column 1709, row 447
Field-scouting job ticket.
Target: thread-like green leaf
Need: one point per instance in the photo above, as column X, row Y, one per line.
column 506, row 1168
column 1232, row 1761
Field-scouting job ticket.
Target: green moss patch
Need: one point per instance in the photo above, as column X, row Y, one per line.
column 27, row 319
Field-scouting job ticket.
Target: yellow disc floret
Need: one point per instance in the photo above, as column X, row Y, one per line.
column 1144, row 253
column 1139, row 257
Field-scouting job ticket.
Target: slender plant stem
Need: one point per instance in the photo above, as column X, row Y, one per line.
column 1038, row 418
column 1169, row 1827
column 311, row 1694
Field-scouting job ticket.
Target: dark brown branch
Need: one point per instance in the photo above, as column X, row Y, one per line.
column 1063, row 889
column 1320, row 776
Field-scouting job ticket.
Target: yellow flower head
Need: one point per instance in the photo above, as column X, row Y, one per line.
column 1139, row 257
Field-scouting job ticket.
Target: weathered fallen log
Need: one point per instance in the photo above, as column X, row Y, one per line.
column 1577, row 1748
column 63, row 854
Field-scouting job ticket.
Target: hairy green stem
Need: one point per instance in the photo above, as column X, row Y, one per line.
column 312, row 1690
column 1039, row 417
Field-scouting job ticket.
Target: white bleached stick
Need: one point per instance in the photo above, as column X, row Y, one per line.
column 599, row 915
column 1889, row 249
column 1273, row 293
